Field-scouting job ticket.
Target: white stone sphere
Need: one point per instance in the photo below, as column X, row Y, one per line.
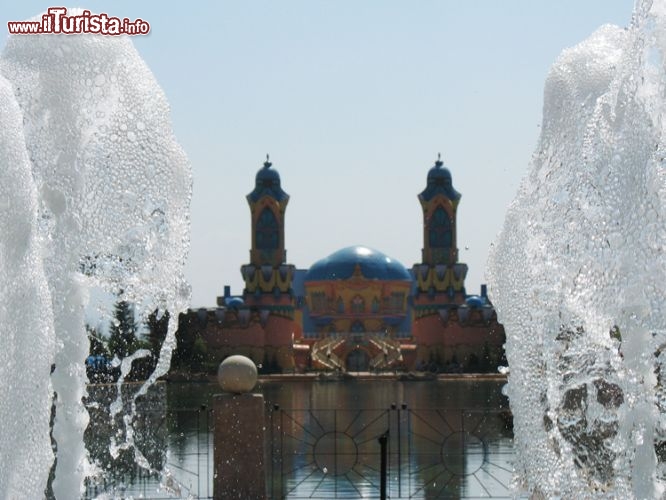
column 237, row 374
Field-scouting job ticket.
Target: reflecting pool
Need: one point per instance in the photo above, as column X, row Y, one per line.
column 445, row 439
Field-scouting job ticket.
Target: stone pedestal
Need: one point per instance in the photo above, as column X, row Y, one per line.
column 239, row 447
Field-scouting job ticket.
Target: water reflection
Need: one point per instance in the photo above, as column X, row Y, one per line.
column 459, row 453
column 447, row 439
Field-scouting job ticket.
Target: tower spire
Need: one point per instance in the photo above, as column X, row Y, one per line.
column 439, row 274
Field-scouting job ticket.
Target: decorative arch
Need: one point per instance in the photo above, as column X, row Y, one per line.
column 358, row 359
column 440, row 229
column 357, row 305
column 267, row 231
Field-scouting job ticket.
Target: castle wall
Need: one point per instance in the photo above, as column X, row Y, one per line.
column 450, row 343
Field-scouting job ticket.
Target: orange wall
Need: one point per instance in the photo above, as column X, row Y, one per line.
column 431, row 331
column 279, row 331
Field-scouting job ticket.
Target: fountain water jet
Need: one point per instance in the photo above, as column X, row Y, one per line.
column 27, row 344
column 577, row 273
column 98, row 195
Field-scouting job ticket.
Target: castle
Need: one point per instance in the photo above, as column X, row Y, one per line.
column 355, row 310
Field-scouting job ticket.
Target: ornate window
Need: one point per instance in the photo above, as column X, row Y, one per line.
column 341, row 305
column 397, row 301
column 439, row 230
column 375, row 305
column 358, row 305
column 318, row 302
column 268, row 231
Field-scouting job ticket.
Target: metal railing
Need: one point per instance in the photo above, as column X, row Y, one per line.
column 431, row 453
column 181, row 466
column 334, row 453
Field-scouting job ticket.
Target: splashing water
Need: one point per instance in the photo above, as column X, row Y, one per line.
column 26, row 340
column 95, row 193
column 577, row 274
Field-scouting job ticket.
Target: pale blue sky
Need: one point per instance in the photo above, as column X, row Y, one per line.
column 353, row 100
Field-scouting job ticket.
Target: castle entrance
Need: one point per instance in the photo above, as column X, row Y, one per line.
column 357, row 361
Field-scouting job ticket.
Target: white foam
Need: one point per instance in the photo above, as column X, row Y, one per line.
column 581, row 252
column 110, row 190
column 26, row 321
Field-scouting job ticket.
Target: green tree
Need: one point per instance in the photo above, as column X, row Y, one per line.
column 122, row 339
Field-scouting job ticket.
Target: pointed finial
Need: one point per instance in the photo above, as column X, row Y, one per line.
column 267, row 163
column 439, row 162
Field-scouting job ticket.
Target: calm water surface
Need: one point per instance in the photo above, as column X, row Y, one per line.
column 366, row 394
column 447, row 439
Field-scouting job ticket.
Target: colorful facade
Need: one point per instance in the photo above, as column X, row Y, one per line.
column 356, row 309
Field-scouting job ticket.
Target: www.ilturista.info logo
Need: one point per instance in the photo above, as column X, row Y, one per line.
column 57, row 21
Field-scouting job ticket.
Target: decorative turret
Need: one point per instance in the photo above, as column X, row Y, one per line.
column 439, row 275
column 439, row 202
column 267, row 272
column 268, row 203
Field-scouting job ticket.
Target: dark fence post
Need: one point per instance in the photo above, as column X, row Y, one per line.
column 239, row 441
column 383, row 450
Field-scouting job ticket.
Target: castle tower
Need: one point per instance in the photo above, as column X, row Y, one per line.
column 440, row 278
column 268, row 203
column 268, row 279
column 451, row 330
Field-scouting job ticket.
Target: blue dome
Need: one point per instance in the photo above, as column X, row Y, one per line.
column 267, row 175
column 342, row 264
column 234, row 302
column 267, row 183
column 438, row 172
column 439, row 182
column 475, row 301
